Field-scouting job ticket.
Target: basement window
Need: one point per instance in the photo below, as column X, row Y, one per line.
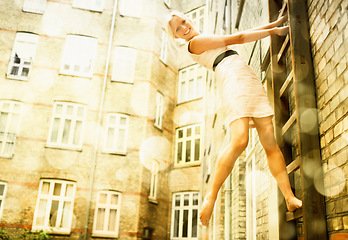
column 184, row 223
column 3, row 188
column 107, row 214
column 54, row 206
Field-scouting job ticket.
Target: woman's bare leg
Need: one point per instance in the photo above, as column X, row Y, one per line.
column 276, row 161
column 239, row 141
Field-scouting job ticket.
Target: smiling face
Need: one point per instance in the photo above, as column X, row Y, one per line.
column 182, row 28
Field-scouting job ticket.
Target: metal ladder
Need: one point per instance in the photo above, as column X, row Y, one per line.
column 296, row 125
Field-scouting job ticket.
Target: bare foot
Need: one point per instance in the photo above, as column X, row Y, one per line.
column 293, row 203
column 207, row 209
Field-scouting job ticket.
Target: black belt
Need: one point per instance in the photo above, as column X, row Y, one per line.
column 222, row 56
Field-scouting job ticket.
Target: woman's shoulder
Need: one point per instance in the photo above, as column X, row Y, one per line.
column 205, row 42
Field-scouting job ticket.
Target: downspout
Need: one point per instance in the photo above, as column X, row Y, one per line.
column 100, row 116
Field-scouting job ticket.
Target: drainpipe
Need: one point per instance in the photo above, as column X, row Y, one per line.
column 100, row 116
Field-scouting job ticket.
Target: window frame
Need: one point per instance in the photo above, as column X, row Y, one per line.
column 2, row 198
column 159, row 110
column 181, row 208
column 199, row 22
column 10, row 115
column 154, row 181
column 130, row 8
column 26, row 43
column 124, row 63
column 91, row 5
column 116, row 129
column 50, row 197
column 196, row 75
column 164, row 47
column 40, row 6
column 193, row 137
column 109, row 206
column 74, row 46
column 62, row 117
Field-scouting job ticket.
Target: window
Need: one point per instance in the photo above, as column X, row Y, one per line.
column 130, row 8
column 191, row 83
column 34, row 6
column 188, row 145
column 107, row 214
column 154, row 179
column 147, row 233
column 22, row 56
column 116, row 133
column 3, row 188
column 79, row 55
column 124, row 64
column 54, row 206
column 10, row 112
column 159, row 110
column 208, row 162
column 94, row 5
column 197, row 16
column 164, row 44
column 184, row 223
column 67, row 125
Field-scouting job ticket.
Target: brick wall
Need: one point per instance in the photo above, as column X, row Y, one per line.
column 329, row 33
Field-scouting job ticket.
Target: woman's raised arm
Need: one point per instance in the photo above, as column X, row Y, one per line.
column 274, row 24
column 203, row 43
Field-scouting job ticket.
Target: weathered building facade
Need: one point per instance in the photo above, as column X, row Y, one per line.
column 247, row 207
column 87, row 99
column 109, row 130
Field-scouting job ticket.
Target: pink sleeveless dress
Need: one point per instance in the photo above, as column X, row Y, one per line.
column 241, row 92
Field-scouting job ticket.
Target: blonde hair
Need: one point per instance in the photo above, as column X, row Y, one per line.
column 170, row 17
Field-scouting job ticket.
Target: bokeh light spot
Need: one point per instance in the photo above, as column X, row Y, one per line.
column 138, row 100
column 334, row 181
column 181, row 115
column 121, row 175
column 309, row 120
column 155, row 149
column 259, row 178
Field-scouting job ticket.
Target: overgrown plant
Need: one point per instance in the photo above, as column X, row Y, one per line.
column 29, row 235
column 4, row 235
column 26, row 235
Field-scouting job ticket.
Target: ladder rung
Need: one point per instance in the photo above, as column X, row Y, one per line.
column 286, row 83
column 290, row 216
column 289, row 123
column 293, row 166
column 281, row 12
column 283, row 48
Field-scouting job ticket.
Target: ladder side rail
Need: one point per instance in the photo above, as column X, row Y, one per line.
column 287, row 230
column 314, row 221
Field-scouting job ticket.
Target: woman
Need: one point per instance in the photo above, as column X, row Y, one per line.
column 242, row 95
